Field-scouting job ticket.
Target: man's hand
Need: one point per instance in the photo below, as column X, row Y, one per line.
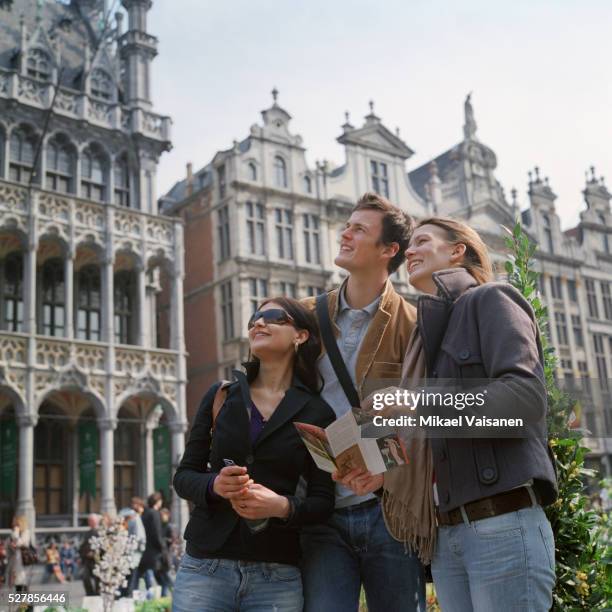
column 232, row 481
column 259, row 502
column 360, row 482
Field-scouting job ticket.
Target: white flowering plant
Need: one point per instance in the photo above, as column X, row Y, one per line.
column 113, row 548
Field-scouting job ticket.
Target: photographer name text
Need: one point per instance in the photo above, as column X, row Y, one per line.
column 430, row 420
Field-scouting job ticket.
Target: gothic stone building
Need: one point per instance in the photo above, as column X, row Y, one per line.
column 92, row 357
column 260, row 222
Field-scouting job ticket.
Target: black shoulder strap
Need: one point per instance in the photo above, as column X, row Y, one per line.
column 244, row 389
column 331, row 346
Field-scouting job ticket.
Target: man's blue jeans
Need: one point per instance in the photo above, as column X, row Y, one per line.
column 223, row 585
column 505, row 562
column 355, row 548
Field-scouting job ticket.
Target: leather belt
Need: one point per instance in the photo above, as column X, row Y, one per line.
column 501, row 503
column 364, row 504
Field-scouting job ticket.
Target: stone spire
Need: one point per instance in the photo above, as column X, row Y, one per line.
column 515, row 205
column 595, row 193
column 433, row 187
column 347, row 126
column 469, row 127
column 137, row 49
column 371, row 117
column 540, row 191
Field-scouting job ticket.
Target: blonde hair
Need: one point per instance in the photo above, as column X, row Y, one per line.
column 476, row 258
column 21, row 522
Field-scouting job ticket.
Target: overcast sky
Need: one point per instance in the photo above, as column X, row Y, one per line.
column 539, row 71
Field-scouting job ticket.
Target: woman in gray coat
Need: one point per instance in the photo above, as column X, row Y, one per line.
column 495, row 547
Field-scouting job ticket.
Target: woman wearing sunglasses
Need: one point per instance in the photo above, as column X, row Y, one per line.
column 243, row 536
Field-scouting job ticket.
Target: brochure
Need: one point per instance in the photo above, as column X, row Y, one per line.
column 340, row 447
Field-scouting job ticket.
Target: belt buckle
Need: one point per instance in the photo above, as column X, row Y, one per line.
column 489, row 507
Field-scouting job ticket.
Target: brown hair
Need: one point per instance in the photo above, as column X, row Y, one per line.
column 397, row 225
column 154, row 498
column 304, row 367
column 137, row 501
column 476, row 259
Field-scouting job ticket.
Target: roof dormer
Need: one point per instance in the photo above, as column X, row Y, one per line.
column 596, row 194
column 375, row 136
column 276, row 124
column 101, row 81
column 39, row 54
column 541, row 194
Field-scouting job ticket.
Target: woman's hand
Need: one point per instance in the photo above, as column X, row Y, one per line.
column 260, row 502
column 232, row 481
column 360, row 482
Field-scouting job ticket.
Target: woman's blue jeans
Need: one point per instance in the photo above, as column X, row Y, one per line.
column 223, row 585
column 502, row 563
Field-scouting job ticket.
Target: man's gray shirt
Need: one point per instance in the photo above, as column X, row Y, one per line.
column 353, row 324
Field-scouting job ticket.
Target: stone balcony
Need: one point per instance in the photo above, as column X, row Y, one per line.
column 59, row 363
column 76, row 220
column 78, row 105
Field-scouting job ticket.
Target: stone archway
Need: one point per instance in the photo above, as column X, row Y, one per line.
column 65, row 418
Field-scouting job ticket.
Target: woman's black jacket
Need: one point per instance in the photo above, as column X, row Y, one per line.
column 276, row 460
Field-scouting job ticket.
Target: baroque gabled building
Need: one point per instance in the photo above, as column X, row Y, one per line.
column 92, row 355
column 260, row 222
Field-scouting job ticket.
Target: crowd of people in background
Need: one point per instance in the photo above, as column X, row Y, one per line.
column 154, row 561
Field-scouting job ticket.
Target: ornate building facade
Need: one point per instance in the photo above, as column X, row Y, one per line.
column 259, row 221
column 92, row 354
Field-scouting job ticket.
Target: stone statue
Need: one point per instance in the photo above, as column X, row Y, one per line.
column 469, row 128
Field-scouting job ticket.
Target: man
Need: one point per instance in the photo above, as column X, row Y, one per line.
column 372, row 325
column 67, row 559
column 155, row 549
column 91, row 582
column 168, row 559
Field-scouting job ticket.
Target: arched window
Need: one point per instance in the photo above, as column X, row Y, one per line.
column 93, row 174
column 60, row 165
column 12, row 292
column 89, row 299
column 101, row 84
column 50, row 462
column 53, row 298
column 38, row 65
column 125, row 288
column 127, row 456
column 252, row 171
column 280, row 172
column 307, row 184
column 548, row 233
column 122, row 181
column 21, row 155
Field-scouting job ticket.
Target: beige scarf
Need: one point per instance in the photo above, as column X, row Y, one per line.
column 407, row 503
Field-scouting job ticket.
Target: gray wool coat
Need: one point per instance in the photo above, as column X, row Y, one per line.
column 473, row 332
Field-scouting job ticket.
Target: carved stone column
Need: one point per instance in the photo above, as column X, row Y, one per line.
column 69, row 295
column 25, row 495
column 143, row 313
column 107, row 459
column 177, row 314
column 180, row 511
column 29, row 280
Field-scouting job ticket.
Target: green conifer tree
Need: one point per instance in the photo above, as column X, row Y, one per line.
column 582, row 535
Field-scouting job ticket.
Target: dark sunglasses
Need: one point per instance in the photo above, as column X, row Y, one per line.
column 277, row 316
